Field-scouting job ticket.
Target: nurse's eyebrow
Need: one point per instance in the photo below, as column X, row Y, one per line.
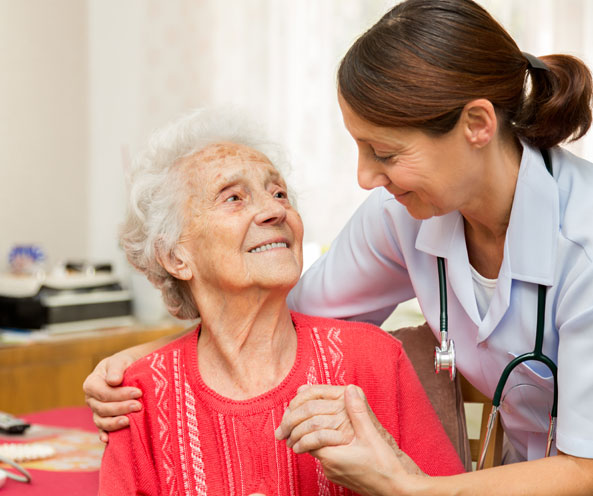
column 371, row 141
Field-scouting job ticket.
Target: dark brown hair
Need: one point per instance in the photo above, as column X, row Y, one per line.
column 426, row 59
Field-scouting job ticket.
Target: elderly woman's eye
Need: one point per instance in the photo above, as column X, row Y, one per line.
column 280, row 194
column 232, row 198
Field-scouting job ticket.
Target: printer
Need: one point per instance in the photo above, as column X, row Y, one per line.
column 64, row 301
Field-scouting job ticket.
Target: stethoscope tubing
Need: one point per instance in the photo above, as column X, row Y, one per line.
column 536, row 355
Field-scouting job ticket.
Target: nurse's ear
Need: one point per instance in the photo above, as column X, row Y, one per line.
column 479, row 122
column 174, row 261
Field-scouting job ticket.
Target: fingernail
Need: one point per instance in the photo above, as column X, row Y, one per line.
column 353, row 392
column 135, row 394
column 279, row 434
column 135, row 407
column 122, row 422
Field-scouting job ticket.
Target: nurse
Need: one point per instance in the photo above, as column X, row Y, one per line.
column 450, row 118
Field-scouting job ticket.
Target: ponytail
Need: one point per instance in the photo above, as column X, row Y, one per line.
column 425, row 60
column 557, row 107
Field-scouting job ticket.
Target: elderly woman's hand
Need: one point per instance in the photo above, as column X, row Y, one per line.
column 109, row 401
column 369, row 464
column 336, row 425
column 316, row 417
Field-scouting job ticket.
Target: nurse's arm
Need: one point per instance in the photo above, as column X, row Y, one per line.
column 368, row 465
column 555, row 476
column 107, row 399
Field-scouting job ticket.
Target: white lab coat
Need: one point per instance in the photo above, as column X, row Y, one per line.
column 383, row 256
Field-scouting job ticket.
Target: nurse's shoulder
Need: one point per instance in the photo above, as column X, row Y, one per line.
column 574, row 176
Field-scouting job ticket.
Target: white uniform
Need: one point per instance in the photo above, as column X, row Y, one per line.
column 383, row 256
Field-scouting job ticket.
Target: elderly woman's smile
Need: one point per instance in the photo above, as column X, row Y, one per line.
column 240, row 225
column 269, row 246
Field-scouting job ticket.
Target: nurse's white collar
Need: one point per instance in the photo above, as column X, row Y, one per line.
column 532, row 235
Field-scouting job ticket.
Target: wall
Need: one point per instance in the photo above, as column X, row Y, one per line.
column 85, row 81
column 43, row 126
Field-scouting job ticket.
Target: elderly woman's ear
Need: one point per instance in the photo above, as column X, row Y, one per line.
column 173, row 261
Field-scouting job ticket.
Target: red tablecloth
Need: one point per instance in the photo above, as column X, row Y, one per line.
column 78, row 480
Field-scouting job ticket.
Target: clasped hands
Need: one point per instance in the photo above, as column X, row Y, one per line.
column 336, row 425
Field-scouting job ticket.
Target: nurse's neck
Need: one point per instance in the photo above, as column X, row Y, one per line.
column 487, row 223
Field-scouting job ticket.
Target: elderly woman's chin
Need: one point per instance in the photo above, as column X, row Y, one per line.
column 280, row 269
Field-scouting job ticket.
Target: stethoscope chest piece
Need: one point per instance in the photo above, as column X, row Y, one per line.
column 444, row 357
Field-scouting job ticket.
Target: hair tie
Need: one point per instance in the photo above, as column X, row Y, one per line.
column 534, row 62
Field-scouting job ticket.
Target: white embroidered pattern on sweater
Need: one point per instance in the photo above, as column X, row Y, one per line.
column 161, row 383
column 329, row 358
column 194, row 441
column 227, row 453
column 180, row 423
column 337, row 356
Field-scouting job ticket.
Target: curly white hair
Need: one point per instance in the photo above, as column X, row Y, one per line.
column 156, row 193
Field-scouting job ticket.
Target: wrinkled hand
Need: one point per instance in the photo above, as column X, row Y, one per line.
column 369, row 464
column 107, row 399
column 316, row 417
column 336, row 425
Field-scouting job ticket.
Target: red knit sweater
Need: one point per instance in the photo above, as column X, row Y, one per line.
column 187, row 439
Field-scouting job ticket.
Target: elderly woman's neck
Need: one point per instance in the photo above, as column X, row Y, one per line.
column 244, row 351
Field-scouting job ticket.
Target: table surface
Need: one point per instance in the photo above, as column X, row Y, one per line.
column 75, row 468
column 49, row 374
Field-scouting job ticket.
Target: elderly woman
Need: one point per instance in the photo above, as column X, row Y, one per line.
column 210, row 223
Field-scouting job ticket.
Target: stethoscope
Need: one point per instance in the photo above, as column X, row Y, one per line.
column 444, row 355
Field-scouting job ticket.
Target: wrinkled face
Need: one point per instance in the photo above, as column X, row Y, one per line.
column 428, row 175
column 241, row 230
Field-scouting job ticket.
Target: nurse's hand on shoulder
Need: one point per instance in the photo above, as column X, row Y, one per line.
column 361, row 455
column 109, row 402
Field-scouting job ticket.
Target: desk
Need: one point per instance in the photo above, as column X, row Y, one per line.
column 49, row 374
column 75, row 469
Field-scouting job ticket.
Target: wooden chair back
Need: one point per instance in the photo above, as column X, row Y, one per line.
column 494, row 454
column 448, row 398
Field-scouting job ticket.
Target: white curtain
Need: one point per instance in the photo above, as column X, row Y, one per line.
column 151, row 60
column 543, row 27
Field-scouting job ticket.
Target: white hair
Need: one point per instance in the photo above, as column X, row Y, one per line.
column 156, row 192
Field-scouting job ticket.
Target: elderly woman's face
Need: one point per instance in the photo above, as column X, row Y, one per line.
column 241, row 230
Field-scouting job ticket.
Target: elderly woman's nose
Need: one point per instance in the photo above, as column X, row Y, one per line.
column 271, row 210
column 371, row 174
